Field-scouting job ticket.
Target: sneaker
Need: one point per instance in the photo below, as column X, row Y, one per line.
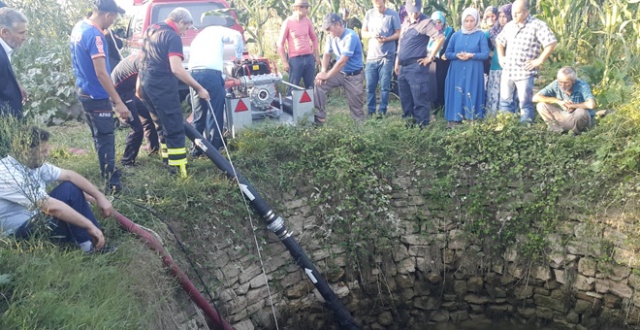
column 107, row 249
column 319, row 121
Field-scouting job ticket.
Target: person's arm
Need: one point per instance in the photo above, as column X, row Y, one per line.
column 337, row 67
column 540, row 98
column 175, row 62
column 532, row 64
column 484, row 50
column 60, row 210
column 395, row 36
column 396, row 67
column 233, row 36
column 100, row 67
column 588, row 104
column 326, row 61
column 314, row 43
column 437, row 44
column 284, row 32
column 364, row 33
column 501, row 54
column 85, row 185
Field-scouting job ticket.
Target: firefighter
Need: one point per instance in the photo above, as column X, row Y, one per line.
column 94, row 87
column 160, row 65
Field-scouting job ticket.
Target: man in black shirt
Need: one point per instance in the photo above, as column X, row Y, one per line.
column 160, row 65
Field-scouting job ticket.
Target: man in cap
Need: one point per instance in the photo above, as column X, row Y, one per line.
column 382, row 28
column 346, row 72
column 302, row 46
column 415, row 67
column 94, row 86
column 160, row 69
column 13, row 32
column 523, row 38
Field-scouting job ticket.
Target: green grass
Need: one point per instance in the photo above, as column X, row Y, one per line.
column 346, row 171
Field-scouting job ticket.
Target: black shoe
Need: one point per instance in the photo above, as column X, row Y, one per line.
column 113, row 188
column 318, row 121
column 129, row 164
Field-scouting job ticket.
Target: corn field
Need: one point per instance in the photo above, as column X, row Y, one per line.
column 600, row 37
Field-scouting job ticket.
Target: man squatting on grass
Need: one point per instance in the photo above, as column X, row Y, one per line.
column 567, row 103
column 24, row 176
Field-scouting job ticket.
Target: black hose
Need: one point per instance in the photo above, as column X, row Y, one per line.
column 276, row 225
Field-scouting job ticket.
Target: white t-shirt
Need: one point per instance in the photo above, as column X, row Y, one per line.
column 20, row 190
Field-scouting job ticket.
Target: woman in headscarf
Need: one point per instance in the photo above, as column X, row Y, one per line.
column 442, row 65
column 489, row 20
column 493, row 85
column 464, row 86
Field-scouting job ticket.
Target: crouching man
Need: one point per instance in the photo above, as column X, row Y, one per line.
column 24, row 176
column 566, row 104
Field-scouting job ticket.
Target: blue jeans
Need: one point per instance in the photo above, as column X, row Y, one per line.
column 524, row 88
column 203, row 117
column 302, row 67
column 61, row 231
column 378, row 71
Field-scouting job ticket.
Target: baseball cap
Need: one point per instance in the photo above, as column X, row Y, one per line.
column 413, row 6
column 108, row 6
column 330, row 19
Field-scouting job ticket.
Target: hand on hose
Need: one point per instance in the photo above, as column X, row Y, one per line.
column 203, row 94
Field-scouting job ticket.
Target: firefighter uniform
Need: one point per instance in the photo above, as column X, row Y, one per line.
column 159, row 88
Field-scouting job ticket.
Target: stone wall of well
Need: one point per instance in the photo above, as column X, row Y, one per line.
column 433, row 272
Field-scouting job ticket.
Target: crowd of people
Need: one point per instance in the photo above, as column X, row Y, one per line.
column 486, row 67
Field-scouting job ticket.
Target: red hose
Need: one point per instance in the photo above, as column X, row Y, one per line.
column 214, row 320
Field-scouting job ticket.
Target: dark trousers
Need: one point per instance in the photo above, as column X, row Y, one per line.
column 303, row 68
column 141, row 126
column 99, row 115
column 62, row 231
column 160, row 94
column 204, row 118
column 417, row 91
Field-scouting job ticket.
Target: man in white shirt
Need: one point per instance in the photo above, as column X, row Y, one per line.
column 24, row 176
column 205, row 65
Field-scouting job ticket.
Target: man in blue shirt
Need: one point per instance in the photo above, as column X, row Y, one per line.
column 382, row 28
column 346, row 72
column 567, row 103
column 415, row 67
column 94, row 86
